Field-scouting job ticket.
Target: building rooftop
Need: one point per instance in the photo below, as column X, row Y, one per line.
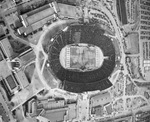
column 36, row 19
column 7, row 48
column 22, row 79
column 4, row 69
column 56, row 115
column 100, row 99
column 2, row 33
column 98, row 111
column 26, row 57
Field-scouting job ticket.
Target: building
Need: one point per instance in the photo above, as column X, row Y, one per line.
column 98, row 102
column 57, row 110
column 98, row 110
column 132, row 10
column 7, row 80
column 51, row 104
column 10, row 85
column 25, row 57
column 56, row 115
column 100, row 99
column 6, row 48
column 146, row 55
column 72, row 111
column 127, row 118
column 21, row 78
column 109, row 109
column 32, row 107
column 52, row 110
column 142, row 116
column 4, row 69
column 144, row 34
column 12, row 80
column 2, row 33
column 36, row 19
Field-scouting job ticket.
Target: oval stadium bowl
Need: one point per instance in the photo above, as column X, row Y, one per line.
column 81, row 57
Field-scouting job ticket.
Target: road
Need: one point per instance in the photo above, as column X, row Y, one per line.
column 83, row 108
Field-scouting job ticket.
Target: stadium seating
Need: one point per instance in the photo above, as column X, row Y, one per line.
column 74, row 81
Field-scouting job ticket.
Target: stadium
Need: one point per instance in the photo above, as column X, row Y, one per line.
column 80, row 72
